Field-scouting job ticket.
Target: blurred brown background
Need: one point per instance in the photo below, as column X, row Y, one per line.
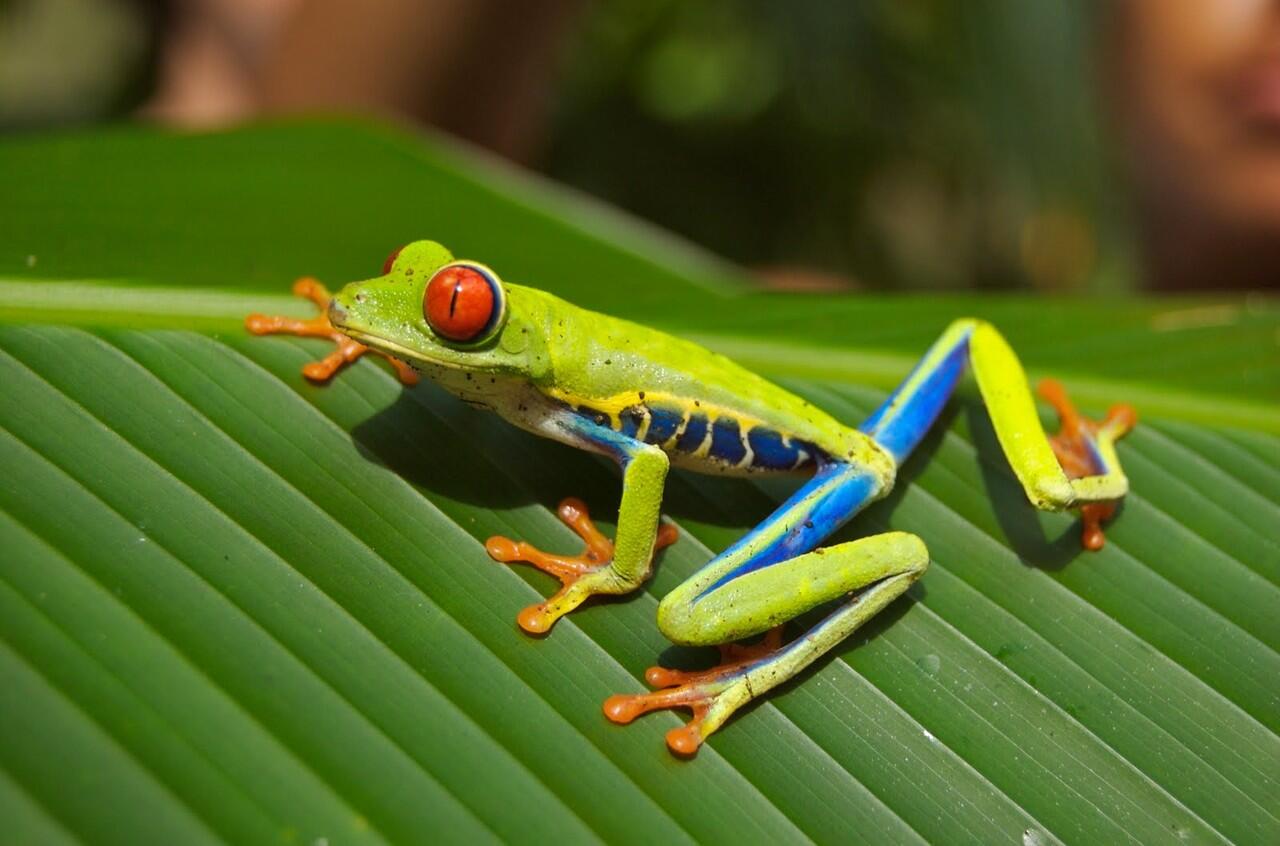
column 1054, row 146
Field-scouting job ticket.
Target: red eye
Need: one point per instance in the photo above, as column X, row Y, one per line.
column 462, row 302
column 391, row 259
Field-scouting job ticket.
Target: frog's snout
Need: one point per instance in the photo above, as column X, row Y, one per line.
column 337, row 313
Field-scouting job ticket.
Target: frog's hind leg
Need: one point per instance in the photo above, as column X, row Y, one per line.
column 1077, row 469
column 766, row 578
column 876, row 570
column 347, row 349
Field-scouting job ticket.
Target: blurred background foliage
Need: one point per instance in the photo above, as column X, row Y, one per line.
column 1049, row 146
column 909, row 145
column 881, row 145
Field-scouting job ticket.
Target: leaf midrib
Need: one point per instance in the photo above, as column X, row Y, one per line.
column 103, row 303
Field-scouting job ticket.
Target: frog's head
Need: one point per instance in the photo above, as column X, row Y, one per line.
column 429, row 308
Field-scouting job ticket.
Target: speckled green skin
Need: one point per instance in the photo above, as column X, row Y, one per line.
column 573, row 355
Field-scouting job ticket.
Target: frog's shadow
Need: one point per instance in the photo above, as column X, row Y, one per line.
column 1019, row 521
column 439, row 444
column 446, row 448
column 415, row 441
column 489, row 463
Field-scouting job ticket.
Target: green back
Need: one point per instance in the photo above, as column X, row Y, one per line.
column 604, row 362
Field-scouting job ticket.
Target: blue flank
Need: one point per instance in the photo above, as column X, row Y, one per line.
column 663, row 423
column 582, row 425
column 630, row 419
column 834, row 494
column 769, row 452
column 694, row 433
column 900, row 430
column 726, row 441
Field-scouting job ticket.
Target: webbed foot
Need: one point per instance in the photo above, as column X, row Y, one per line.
column 348, row 349
column 713, row 694
column 1076, row 446
column 581, row 575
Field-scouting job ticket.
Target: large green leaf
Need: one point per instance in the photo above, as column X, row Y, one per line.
column 235, row 606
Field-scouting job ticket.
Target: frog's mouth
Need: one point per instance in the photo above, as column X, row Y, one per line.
column 391, row 348
column 339, row 318
column 386, row 346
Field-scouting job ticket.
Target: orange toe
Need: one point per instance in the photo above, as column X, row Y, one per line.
column 1074, row 447
column 696, row 690
column 535, row 619
column 683, row 740
column 571, row 570
column 347, row 349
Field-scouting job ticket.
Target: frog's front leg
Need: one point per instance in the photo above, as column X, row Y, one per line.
column 763, row 581
column 611, row 567
column 347, row 349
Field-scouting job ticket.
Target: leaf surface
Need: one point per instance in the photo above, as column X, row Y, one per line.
column 238, row 607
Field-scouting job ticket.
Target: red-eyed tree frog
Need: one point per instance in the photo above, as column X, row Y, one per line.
column 648, row 401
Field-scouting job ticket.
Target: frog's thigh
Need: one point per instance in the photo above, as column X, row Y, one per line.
column 764, row 598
